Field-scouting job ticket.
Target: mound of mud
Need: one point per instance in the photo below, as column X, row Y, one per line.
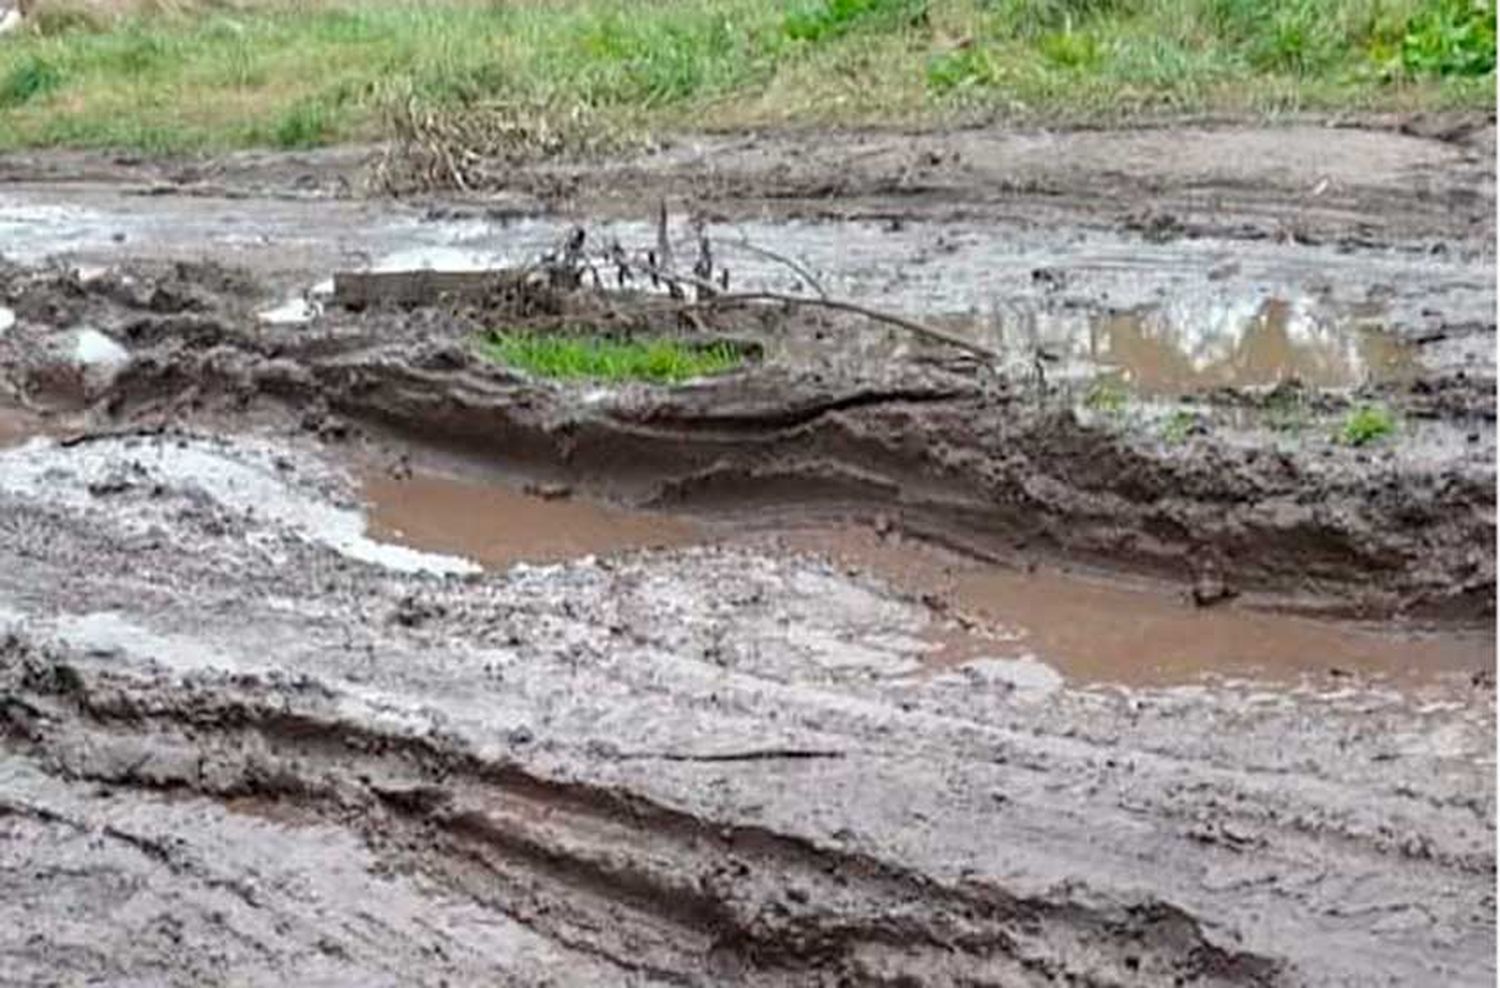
column 1000, row 466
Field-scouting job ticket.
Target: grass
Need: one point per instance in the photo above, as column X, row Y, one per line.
column 185, row 76
column 1367, row 424
column 1107, row 397
column 569, row 357
column 1181, row 425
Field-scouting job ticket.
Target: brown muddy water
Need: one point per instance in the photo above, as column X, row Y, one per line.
column 497, row 525
column 1169, row 350
column 1257, row 346
column 1090, row 628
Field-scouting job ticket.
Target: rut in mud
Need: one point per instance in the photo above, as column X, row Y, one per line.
column 690, row 766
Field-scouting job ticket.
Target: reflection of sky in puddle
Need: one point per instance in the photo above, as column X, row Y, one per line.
column 1245, row 344
column 1203, row 344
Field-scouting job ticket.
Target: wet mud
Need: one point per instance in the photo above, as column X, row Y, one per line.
column 333, row 652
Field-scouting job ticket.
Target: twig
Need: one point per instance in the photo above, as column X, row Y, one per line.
column 875, row 315
column 663, row 259
column 792, row 263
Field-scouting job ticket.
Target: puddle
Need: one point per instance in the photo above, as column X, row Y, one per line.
column 1091, row 631
column 498, row 526
column 1162, row 353
column 1097, row 631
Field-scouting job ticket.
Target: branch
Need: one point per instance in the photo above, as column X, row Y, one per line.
column 770, row 255
column 875, row 315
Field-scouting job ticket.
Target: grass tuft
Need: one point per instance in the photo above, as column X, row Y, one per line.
column 28, row 79
column 303, row 125
column 568, row 357
column 1181, row 425
column 1367, row 424
column 1107, row 397
column 826, row 19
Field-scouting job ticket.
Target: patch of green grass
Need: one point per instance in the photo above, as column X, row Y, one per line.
column 964, row 68
column 1180, row 425
column 287, row 74
column 1367, row 424
column 819, row 20
column 1450, row 37
column 570, row 357
column 303, row 125
column 1107, row 397
column 27, row 79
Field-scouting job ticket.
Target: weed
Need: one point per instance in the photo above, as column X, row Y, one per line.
column 303, row 125
column 572, row 357
column 1180, row 425
column 1108, row 397
column 1070, row 50
column 963, row 68
column 1366, row 424
column 1450, row 37
column 27, row 80
column 825, row 19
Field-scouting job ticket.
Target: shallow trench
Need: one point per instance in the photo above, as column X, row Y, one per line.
column 1092, row 628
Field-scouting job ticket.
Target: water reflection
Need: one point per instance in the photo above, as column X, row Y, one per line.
column 1243, row 345
column 1194, row 345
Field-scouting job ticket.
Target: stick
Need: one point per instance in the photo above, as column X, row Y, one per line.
column 797, row 268
column 875, row 315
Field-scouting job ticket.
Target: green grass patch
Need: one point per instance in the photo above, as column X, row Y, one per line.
column 570, row 357
column 1367, row 424
column 27, row 79
column 296, row 75
column 1106, row 397
column 825, row 19
column 1182, row 424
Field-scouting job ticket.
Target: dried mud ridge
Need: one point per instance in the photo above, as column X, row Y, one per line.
column 997, row 467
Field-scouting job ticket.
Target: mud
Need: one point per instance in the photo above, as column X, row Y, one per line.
column 699, row 766
column 331, row 652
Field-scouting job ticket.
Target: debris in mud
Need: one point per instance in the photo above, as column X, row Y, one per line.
column 554, row 287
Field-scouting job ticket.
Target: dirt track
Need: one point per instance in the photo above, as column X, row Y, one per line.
column 246, row 742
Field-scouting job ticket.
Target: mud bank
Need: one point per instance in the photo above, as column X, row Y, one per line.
column 997, row 465
column 687, row 766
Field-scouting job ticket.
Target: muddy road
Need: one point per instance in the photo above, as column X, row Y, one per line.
column 332, row 651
